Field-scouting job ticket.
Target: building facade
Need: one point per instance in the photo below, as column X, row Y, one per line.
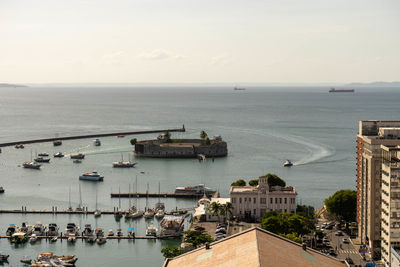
column 251, row 202
column 372, row 134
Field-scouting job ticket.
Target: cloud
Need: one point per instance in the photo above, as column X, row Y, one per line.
column 160, row 54
column 221, row 59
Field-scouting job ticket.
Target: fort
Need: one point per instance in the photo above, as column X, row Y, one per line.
column 181, row 148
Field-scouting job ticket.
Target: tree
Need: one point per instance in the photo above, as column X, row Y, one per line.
column 253, row 182
column 287, row 223
column 171, row 252
column 239, row 182
column 197, row 237
column 343, row 204
column 208, row 142
column 292, row 237
column 215, row 209
column 273, row 180
column 133, row 141
column 203, row 135
column 226, row 210
column 306, row 211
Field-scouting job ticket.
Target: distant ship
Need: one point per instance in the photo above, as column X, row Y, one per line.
column 197, row 189
column 239, row 88
column 333, row 90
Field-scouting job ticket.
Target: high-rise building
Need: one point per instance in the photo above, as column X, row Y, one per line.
column 372, row 134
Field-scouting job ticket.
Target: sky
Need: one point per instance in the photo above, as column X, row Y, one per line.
column 193, row 41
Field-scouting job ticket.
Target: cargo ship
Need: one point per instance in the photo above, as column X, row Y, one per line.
column 333, row 90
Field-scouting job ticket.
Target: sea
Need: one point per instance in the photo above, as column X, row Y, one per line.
column 263, row 126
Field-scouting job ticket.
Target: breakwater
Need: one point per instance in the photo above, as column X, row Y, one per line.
column 96, row 135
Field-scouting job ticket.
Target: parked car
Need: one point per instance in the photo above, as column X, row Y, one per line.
column 220, row 230
column 349, row 260
column 332, row 252
column 345, row 240
column 339, row 233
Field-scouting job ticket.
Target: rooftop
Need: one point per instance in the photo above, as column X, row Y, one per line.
column 253, row 247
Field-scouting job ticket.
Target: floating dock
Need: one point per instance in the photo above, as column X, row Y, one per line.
column 89, row 136
column 175, row 195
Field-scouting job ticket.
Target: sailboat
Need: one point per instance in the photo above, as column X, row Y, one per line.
column 124, row 164
column 69, row 201
column 31, row 164
column 149, row 213
column 133, row 212
column 80, row 207
column 97, row 212
column 118, row 213
column 160, row 207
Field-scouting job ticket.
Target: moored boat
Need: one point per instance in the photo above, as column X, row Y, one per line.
column 97, row 142
column 4, row 257
column 11, row 230
column 77, row 156
column 172, row 226
column 31, row 165
column 39, row 229
column 88, row 230
column 53, row 230
column 42, row 160
column 151, row 231
column 149, row 213
column 57, row 143
column 91, row 176
column 58, row 155
column 33, row 238
column 43, row 154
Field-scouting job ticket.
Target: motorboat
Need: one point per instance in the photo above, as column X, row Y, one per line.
column 149, row 213
column 54, row 239
column 3, row 257
column 88, row 230
column 99, row 232
column 97, row 213
column 91, row 176
column 71, row 237
column 42, row 160
column 151, row 231
column 97, row 142
column 77, row 156
column 57, row 143
column 53, row 230
column 172, row 226
column 28, row 229
column 120, row 136
column 134, row 214
column 26, row 260
column 33, row 238
column 197, row 189
column 72, row 228
column 11, row 230
column 101, row 240
column 287, row 163
column 17, row 146
column 43, row 154
column 91, row 238
column 19, row 238
column 39, row 229
column 119, row 232
column 58, row 155
column 160, row 214
column 31, row 165
column 1, row 189
column 131, row 232
column 124, row 164
column 110, row 233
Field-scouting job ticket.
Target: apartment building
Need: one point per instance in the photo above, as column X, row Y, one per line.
column 372, row 135
column 251, row 202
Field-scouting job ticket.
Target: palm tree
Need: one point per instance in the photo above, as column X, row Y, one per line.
column 227, row 210
column 215, row 209
column 203, row 135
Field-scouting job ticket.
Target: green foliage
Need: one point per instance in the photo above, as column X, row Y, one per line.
column 208, row 142
column 253, row 182
column 319, row 234
column 203, row 135
column 171, row 252
column 287, row 223
column 273, row 180
column 292, row 236
column 133, row 141
column 306, row 211
column 239, row 182
column 343, row 204
column 197, row 237
column 226, row 210
column 215, row 208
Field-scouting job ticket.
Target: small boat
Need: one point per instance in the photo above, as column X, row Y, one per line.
column 151, row 231
column 53, row 230
column 160, row 214
column 17, row 146
column 97, row 213
column 149, row 213
column 97, row 142
column 101, row 240
column 58, row 155
column 124, row 164
column 31, row 165
column 39, row 229
column 287, row 163
column 41, row 159
column 88, row 230
column 1, row 189
column 77, row 156
column 19, row 238
column 4, row 258
column 71, row 238
column 110, row 233
column 27, row 229
column 120, row 136
column 11, row 230
column 26, row 260
column 54, row 239
column 99, row 232
column 119, row 233
column 91, row 239
column 43, row 154
column 72, row 229
column 91, row 176
column 57, row 143
column 134, row 214
column 77, row 161
column 131, row 232
column 33, row 238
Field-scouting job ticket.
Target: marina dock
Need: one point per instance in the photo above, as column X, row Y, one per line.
column 85, row 237
column 89, row 136
column 74, row 212
column 174, row 195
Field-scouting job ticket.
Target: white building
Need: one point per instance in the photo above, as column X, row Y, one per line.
column 203, row 212
column 251, row 202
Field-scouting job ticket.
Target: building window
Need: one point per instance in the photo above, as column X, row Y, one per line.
column 240, row 200
column 255, row 212
column 245, row 199
column 285, row 200
column 280, row 200
column 255, row 200
column 272, row 201
column 263, row 201
column 276, row 200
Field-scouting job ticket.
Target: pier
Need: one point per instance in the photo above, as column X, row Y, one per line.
column 89, row 136
column 85, row 237
column 174, row 195
column 78, row 212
